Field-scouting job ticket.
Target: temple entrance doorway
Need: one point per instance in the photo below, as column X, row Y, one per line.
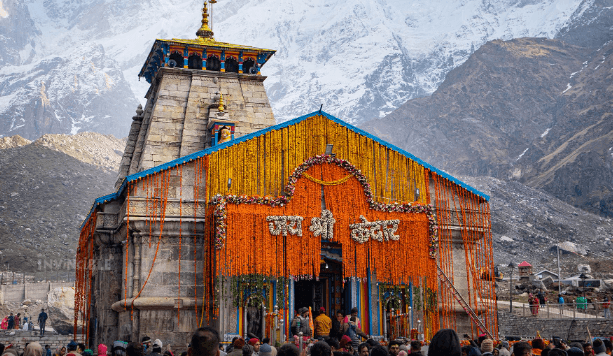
column 327, row 292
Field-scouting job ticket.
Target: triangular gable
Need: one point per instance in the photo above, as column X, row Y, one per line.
column 208, row 151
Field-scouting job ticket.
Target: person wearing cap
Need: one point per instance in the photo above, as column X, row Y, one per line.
column 255, row 343
column 323, row 324
column 266, row 341
column 72, row 349
column 102, row 350
column 599, row 348
column 146, row 342
column 487, row 347
column 157, row 348
column 119, row 348
column 504, row 349
column 265, row 350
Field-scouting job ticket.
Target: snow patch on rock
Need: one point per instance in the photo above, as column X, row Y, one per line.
column 3, row 12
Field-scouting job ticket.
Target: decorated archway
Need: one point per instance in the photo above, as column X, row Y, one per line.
column 327, row 201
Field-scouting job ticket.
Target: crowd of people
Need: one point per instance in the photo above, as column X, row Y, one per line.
column 17, row 322
column 206, row 342
column 581, row 303
column 340, row 335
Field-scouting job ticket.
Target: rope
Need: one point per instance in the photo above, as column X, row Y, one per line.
column 336, row 182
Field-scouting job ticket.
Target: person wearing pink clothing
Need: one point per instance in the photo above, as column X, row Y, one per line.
column 102, row 350
column 354, row 313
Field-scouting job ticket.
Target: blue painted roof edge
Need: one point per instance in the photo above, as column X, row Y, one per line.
column 199, row 154
column 409, row 155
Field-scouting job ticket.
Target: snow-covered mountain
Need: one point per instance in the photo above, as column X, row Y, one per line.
column 360, row 58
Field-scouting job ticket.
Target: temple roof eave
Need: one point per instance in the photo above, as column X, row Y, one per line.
column 202, row 44
column 189, row 158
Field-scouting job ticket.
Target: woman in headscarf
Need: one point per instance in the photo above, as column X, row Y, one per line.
column 534, row 304
column 33, row 349
column 345, row 343
column 445, row 343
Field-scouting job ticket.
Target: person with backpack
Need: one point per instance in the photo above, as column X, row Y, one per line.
column 352, row 330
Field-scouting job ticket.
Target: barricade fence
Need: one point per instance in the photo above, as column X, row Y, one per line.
column 572, row 310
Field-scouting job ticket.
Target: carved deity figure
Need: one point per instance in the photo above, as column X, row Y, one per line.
column 225, row 135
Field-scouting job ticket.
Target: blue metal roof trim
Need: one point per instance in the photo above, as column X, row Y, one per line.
column 179, row 161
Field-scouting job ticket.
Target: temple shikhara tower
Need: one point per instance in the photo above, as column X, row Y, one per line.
column 222, row 218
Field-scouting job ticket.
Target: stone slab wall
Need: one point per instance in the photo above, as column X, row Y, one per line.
column 175, row 120
column 573, row 329
column 16, row 293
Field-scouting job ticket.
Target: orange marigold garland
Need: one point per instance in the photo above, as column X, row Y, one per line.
column 304, row 256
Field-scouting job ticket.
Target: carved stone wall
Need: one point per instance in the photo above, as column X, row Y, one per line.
column 174, row 122
column 149, row 269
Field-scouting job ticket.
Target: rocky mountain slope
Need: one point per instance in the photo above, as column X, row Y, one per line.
column 102, row 151
column 488, row 110
column 13, row 141
column 528, row 223
column 534, row 110
column 44, row 194
column 573, row 158
column 71, row 66
column 590, row 25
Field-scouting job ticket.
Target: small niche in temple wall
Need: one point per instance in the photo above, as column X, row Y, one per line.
column 176, row 60
column 231, row 65
column 194, row 62
column 213, row 63
column 247, row 65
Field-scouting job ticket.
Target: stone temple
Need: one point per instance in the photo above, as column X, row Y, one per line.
column 222, row 217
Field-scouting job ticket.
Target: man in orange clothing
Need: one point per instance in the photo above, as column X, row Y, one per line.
column 323, row 324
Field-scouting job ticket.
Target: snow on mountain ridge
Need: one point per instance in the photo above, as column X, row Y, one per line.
column 360, row 58
column 64, row 95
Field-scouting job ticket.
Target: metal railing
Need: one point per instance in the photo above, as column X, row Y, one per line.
column 573, row 310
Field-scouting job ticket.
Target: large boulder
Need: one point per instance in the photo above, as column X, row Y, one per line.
column 539, row 285
column 548, row 282
column 60, row 303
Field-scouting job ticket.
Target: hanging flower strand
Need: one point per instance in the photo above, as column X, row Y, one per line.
column 221, row 202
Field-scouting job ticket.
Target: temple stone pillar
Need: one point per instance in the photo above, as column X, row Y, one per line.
column 162, row 309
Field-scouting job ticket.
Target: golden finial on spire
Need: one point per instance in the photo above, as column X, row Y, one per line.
column 221, row 106
column 205, row 31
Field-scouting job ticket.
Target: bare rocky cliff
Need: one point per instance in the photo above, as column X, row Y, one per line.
column 46, row 187
column 532, row 110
